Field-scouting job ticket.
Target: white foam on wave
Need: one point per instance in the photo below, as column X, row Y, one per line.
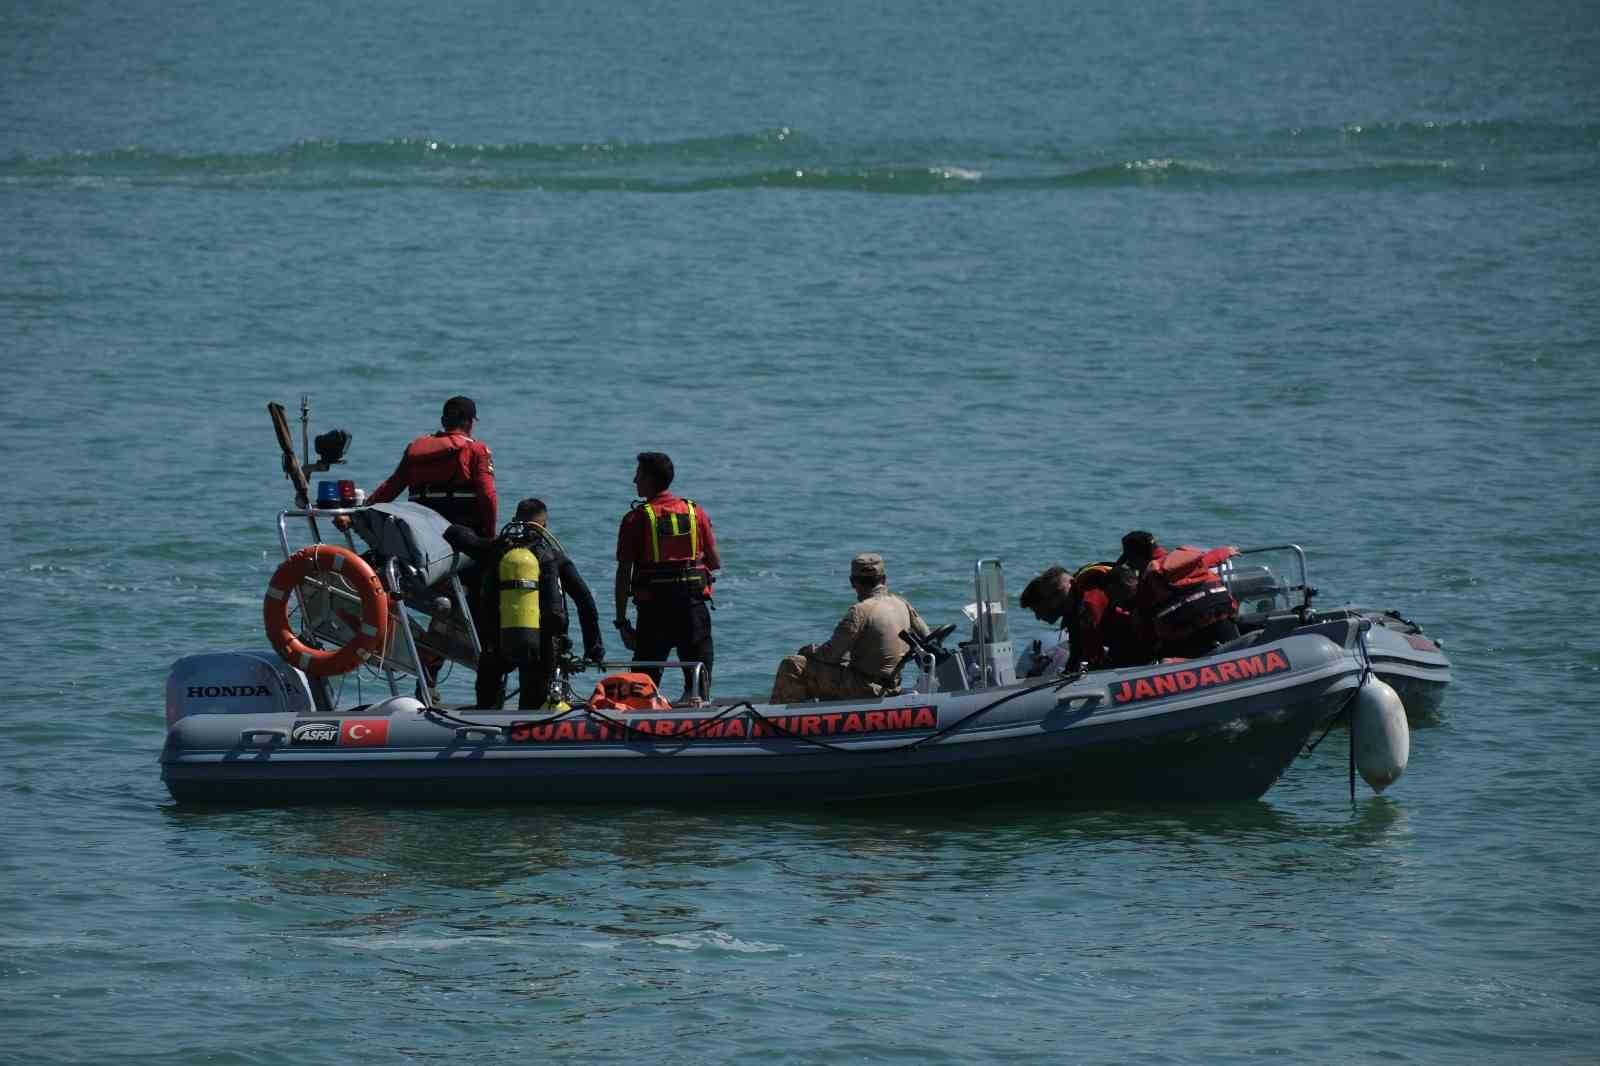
column 1159, row 165
column 30, row 943
column 715, row 940
column 402, row 942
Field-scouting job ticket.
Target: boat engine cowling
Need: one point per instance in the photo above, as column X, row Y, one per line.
column 236, row 682
column 1379, row 734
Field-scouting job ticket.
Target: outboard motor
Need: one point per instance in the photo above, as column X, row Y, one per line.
column 236, row 682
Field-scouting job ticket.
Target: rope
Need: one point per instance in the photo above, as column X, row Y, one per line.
column 1344, row 712
column 1366, row 672
column 931, row 737
column 703, row 724
column 688, row 734
column 1055, row 685
column 445, row 716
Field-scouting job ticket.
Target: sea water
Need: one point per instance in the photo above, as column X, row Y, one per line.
column 935, row 280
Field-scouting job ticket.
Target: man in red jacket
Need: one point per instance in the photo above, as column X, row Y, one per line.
column 1182, row 600
column 1093, row 607
column 453, row 474
column 448, row 471
column 666, row 551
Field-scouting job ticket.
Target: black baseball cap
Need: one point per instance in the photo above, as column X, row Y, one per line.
column 1137, row 544
column 458, row 411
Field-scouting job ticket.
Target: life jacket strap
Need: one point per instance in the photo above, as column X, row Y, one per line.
column 670, row 525
column 1189, row 600
column 692, row 575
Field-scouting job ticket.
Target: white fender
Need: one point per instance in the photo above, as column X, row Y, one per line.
column 1379, row 734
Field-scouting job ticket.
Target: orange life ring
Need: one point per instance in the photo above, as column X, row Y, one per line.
column 370, row 632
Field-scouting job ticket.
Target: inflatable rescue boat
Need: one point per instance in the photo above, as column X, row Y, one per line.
column 374, row 596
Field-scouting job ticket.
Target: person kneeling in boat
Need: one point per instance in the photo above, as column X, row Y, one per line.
column 1182, row 603
column 1094, row 608
column 522, row 622
column 862, row 658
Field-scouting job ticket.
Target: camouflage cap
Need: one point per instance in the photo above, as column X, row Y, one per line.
column 867, row 564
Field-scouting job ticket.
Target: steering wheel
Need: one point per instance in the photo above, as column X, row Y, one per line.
column 936, row 637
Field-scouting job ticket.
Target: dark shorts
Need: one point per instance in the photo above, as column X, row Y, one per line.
column 682, row 627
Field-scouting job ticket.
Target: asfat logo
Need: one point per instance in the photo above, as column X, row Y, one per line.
column 316, row 734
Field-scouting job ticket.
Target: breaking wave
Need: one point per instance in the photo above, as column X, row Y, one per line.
column 1357, row 153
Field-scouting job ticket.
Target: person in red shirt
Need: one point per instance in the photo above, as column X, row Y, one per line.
column 1090, row 607
column 1110, row 632
column 1183, row 603
column 448, row 471
column 453, row 474
column 666, row 551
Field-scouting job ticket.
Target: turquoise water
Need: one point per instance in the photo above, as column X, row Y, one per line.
column 934, row 280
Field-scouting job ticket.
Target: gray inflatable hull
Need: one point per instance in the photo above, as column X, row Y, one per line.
column 1403, row 657
column 1220, row 728
column 1411, row 663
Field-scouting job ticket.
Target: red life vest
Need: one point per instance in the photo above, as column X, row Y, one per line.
column 674, row 561
column 1182, row 594
column 628, row 692
column 439, row 476
column 436, row 466
column 1102, row 633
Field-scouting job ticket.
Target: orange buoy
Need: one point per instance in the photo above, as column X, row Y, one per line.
column 362, row 579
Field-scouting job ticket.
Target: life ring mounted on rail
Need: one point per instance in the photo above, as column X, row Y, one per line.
column 353, row 570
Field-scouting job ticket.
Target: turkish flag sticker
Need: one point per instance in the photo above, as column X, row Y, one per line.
column 364, row 732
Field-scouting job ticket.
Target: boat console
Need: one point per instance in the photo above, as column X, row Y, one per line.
column 983, row 661
column 1268, row 581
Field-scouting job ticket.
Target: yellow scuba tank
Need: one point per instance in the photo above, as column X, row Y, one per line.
column 519, row 602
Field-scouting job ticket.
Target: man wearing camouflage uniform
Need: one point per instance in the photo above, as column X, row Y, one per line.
column 862, row 658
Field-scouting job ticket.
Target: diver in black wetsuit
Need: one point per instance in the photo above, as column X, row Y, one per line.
column 559, row 578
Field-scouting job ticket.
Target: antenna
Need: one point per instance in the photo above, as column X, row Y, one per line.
column 305, row 429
